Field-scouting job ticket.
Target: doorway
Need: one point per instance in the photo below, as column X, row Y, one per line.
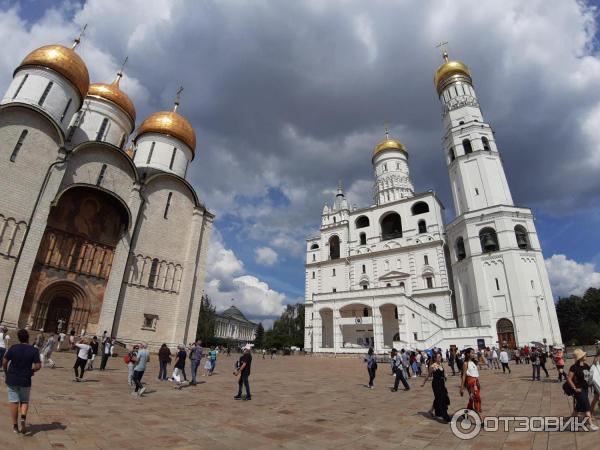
column 506, row 333
column 59, row 309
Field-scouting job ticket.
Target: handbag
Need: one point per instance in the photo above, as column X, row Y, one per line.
column 568, row 389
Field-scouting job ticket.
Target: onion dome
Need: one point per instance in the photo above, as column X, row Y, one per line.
column 171, row 124
column 113, row 93
column 62, row 60
column 450, row 70
column 388, row 144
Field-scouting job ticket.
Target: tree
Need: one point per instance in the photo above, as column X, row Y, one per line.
column 579, row 317
column 288, row 330
column 260, row 336
column 206, row 321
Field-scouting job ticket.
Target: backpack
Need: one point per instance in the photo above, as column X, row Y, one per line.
column 568, row 389
column 127, row 358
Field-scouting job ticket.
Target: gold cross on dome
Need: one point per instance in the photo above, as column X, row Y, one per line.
column 386, row 130
column 77, row 40
column 444, row 48
column 177, row 97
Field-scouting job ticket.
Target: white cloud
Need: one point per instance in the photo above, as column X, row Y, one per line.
column 568, row 277
column 227, row 279
column 265, row 256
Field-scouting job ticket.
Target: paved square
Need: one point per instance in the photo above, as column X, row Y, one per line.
column 298, row 402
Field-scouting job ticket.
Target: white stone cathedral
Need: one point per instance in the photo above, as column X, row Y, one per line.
column 393, row 275
column 93, row 236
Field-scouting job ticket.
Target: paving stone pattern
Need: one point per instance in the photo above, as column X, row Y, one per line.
column 298, row 402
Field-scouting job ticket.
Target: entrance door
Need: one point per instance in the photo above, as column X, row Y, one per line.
column 58, row 309
column 506, row 333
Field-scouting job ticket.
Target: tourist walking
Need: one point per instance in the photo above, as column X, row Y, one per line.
column 179, row 367
column 131, row 361
column 452, row 359
column 94, row 351
column 47, row 352
column 39, row 341
column 534, row 357
column 106, row 351
column 399, row 371
column 526, row 353
column 495, row 363
column 61, row 340
column 577, row 379
column 143, row 356
column 72, row 339
column 4, row 337
column 543, row 358
column 470, row 379
column 517, row 356
column 460, row 362
column 195, row 357
column 82, row 357
column 371, row 367
column 595, row 369
column 441, row 400
column 504, row 359
column 243, row 372
column 164, row 359
column 19, row 363
column 559, row 361
column 213, row 359
column 405, row 361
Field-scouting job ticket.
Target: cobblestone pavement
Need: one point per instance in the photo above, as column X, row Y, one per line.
column 298, row 402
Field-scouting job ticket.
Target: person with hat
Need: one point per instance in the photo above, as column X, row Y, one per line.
column 577, row 378
column 243, row 372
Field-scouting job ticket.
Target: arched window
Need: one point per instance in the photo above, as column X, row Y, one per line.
column 363, row 238
column 391, row 226
column 486, row 143
column 334, row 219
column 419, row 208
column 366, row 312
column 467, row 146
column 18, row 145
column 334, row 247
column 522, row 237
column 364, row 269
column 362, row 222
column 102, row 129
column 460, row 249
column 422, row 227
column 432, row 308
column 314, row 246
column 451, row 154
column 402, row 286
column 489, row 240
column 153, row 273
column 388, row 284
column 314, row 257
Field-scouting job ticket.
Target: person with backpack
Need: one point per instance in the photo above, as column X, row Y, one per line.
column 164, row 359
column 577, row 386
column 93, row 353
column 399, row 371
column 195, row 357
column 130, row 359
column 371, row 367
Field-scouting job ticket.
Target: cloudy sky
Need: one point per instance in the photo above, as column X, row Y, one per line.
column 288, row 97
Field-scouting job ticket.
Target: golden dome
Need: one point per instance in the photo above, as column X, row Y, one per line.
column 448, row 69
column 172, row 124
column 62, row 60
column 113, row 94
column 388, row 144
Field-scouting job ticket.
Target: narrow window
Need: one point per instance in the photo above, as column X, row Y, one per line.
column 364, row 269
column 415, row 334
column 45, row 93
column 389, row 285
column 364, row 287
column 532, row 285
column 486, row 143
column 452, row 154
column 313, row 275
column 334, row 220
column 122, row 141
column 334, row 290
column 172, row 158
column 152, row 276
column 166, row 215
column 432, row 307
column 64, row 113
column 18, row 145
column 363, row 239
column 467, row 146
column 101, row 175
column 385, row 167
column 476, row 191
column 422, row 227
column 366, row 312
column 314, row 257
column 426, row 260
column 102, row 129
column 429, row 282
column 21, row 85
column 397, row 166
column 333, row 273
column 150, row 153
column 395, row 311
column 497, row 284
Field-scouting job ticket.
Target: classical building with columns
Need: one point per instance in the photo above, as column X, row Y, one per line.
column 231, row 324
column 392, row 274
column 99, row 227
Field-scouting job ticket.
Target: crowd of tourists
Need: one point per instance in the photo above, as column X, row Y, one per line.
column 20, row 361
column 578, row 383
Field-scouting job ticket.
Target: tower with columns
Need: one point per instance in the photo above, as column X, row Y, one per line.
column 498, row 268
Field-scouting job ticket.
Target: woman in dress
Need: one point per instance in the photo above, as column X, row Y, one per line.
column 438, row 385
column 470, row 379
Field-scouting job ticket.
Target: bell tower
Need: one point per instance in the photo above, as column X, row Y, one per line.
column 499, row 273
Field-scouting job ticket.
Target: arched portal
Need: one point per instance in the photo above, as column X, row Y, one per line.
column 62, row 300
column 506, row 333
column 389, row 321
column 59, row 311
column 357, row 326
column 326, row 327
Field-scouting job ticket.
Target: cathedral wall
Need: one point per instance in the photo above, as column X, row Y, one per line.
column 22, row 179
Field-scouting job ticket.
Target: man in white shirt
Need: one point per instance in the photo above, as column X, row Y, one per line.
column 4, row 337
column 82, row 357
column 495, row 363
column 504, row 360
column 61, row 339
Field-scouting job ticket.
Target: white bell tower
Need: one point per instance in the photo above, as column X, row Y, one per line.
column 500, row 278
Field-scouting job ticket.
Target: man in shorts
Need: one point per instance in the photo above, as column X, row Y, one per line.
column 24, row 360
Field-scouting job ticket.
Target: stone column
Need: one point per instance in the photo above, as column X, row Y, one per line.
column 377, row 329
column 119, row 266
column 317, row 331
column 338, row 339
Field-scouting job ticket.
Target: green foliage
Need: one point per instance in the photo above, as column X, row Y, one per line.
column 206, row 321
column 288, row 330
column 579, row 318
column 260, row 336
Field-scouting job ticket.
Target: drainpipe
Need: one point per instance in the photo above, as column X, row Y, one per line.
column 35, row 206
